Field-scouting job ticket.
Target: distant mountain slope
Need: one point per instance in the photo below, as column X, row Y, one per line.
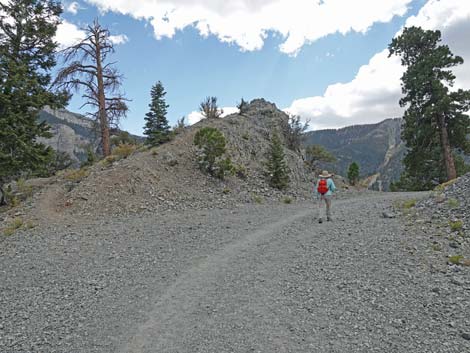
column 376, row 147
column 72, row 133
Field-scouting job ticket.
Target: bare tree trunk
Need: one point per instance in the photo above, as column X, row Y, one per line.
column 104, row 124
column 446, row 149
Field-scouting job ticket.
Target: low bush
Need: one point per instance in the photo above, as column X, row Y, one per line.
column 287, row 200
column 124, row 150
column 257, row 199
column 455, row 260
column 14, row 225
column 453, row 203
column 211, row 143
column 77, row 175
column 409, row 204
column 456, row 226
column 443, row 186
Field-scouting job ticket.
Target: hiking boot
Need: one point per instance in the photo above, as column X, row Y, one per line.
column 320, row 220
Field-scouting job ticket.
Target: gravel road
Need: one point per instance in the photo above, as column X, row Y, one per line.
column 257, row 278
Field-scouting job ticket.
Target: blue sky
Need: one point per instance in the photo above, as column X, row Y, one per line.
column 192, row 66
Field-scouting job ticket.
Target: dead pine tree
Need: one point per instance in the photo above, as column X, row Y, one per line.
column 87, row 69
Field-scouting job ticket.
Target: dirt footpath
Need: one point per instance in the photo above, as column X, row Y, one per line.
column 258, row 278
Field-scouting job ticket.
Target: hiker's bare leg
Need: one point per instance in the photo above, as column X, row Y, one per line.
column 328, row 208
column 320, row 206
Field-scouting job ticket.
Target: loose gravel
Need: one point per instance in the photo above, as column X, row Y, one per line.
column 256, row 278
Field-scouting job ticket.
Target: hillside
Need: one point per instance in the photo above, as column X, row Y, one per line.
column 72, row 133
column 168, row 177
column 376, row 147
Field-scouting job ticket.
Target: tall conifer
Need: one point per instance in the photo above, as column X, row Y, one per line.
column 435, row 121
column 27, row 55
column 156, row 127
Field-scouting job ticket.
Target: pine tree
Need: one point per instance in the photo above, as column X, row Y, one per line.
column 277, row 170
column 435, row 123
column 27, row 55
column 89, row 70
column 157, row 128
column 353, row 173
column 316, row 154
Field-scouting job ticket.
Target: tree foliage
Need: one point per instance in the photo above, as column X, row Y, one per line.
column 88, row 69
column 27, row 48
column 212, row 147
column 293, row 131
column 353, row 173
column 242, row 107
column 435, row 121
column 210, row 109
column 316, row 154
column 276, row 166
column 121, row 138
column 157, row 128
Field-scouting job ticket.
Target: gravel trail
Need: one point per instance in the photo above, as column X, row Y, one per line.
column 257, row 278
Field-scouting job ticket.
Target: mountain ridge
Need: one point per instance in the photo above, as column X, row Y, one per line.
column 377, row 148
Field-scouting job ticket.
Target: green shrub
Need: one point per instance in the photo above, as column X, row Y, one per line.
column 287, row 200
column 211, row 143
column 453, row 203
column 455, row 260
column 122, row 138
column 443, row 186
column 124, row 150
column 409, row 204
column 223, row 168
column 91, row 157
column 240, row 171
column 455, row 226
column 24, row 189
column 106, row 162
column 257, row 199
column 14, row 225
column 77, row 175
column 277, row 170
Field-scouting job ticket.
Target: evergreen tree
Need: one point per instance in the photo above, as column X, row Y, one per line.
column 277, row 170
column 157, row 128
column 316, row 154
column 27, row 55
column 353, row 173
column 435, row 123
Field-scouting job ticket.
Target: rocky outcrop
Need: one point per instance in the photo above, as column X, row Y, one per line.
column 72, row 133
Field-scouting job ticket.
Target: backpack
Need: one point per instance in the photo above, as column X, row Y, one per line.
column 322, row 186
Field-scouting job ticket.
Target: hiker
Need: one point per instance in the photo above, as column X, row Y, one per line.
column 324, row 189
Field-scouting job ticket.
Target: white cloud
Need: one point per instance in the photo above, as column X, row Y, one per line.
column 73, row 7
column 195, row 117
column 248, row 22
column 374, row 93
column 119, row 39
column 68, row 34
